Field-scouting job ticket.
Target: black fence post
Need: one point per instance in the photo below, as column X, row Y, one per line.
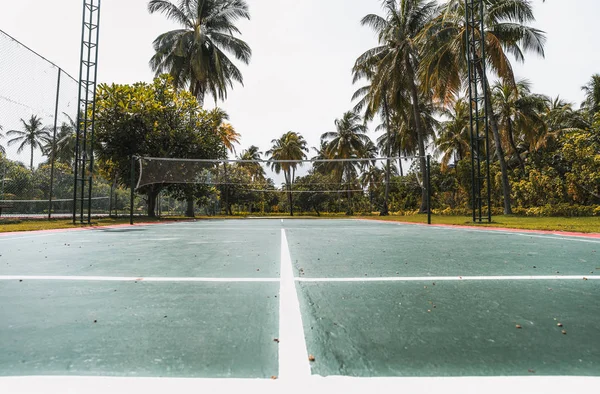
column 428, row 189
column 132, row 185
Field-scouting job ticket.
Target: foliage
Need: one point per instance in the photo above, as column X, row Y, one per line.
column 152, row 120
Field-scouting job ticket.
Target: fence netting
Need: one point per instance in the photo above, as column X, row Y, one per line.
column 38, row 120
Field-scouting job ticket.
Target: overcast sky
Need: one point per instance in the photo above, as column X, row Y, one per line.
column 303, row 51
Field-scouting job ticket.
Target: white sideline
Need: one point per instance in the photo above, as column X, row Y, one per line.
column 293, row 356
column 314, row 384
column 132, row 279
column 447, row 278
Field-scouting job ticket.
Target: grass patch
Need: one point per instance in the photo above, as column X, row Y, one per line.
column 14, row 225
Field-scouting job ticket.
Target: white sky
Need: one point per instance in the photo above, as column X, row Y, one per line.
column 303, row 51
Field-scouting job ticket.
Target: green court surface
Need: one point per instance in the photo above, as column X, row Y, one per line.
column 253, row 299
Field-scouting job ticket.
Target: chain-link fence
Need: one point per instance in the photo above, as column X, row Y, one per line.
column 38, row 120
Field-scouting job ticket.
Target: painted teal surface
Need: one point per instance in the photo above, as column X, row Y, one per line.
column 244, row 249
column 385, row 329
column 329, row 248
column 221, row 330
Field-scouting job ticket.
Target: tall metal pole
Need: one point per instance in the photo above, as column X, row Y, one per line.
column 79, row 120
column 428, row 189
column 93, row 117
column 53, row 157
column 132, row 186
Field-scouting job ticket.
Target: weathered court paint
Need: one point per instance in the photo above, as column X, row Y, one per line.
column 453, row 328
column 216, row 330
column 153, row 251
column 369, row 249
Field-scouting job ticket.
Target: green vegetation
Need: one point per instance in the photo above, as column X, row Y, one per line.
column 545, row 152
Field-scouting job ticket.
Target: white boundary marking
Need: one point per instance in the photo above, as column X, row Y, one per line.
column 335, row 384
column 134, row 279
column 447, row 278
column 293, row 356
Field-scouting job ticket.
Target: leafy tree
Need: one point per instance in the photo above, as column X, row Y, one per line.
column 196, row 54
column 255, row 169
column 2, row 150
column 33, row 135
column 444, row 55
column 396, row 62
column 153, row 120
column 592, row 95
column 291, row 146
column 64, row 146
column 349, row 141
column 454, row 133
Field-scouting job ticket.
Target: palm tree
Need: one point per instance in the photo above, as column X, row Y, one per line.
column 592, row 95
column 2, row 150
column 518, row 111
column 454, row 133
column 370, row 179
column 32, row 135
column 64, row 146
column 349, row 141
column 257, row 172
column 445, row 60
column 396, row 62
column 229, row 138
column 196, row 54
column 291, row 146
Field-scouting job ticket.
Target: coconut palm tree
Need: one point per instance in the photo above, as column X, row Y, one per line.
column 592, row 95
column 196, row 54
column 518, row 111
column 454, row 132
column 371, row 179
column 291, row 146
column 2, row 150
column 349, row 141
column 64, row 146
column 229, row 138
column 33, row 136
column 257, row 172
column 396, row 62
column 444, row 63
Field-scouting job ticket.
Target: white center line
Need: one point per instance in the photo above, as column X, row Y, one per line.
column 447, row 278
column 293, row 356
column 133, row 279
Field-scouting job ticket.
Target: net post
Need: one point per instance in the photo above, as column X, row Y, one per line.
column 132, row 185
column 428, row 189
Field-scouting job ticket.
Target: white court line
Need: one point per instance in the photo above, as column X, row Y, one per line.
column 134, row 279
column 293, row 356
column 448, row 278
column 315, row 384
column 219, row 242
column 10, row 238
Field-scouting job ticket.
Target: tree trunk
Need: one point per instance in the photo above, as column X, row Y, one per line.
column 420, row 134
column 288, row 182
column 189, row 212
column 513, row 145
column 152, row 195
column 227, row 205
column 499, row 150
column 385, row 210
column 31, row 162
column 400, row 166
column 350, row 211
